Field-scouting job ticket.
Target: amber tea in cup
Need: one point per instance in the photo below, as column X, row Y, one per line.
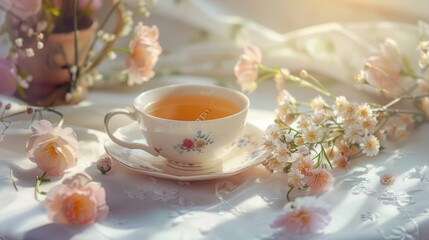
column 189, row 107
column 191, row 126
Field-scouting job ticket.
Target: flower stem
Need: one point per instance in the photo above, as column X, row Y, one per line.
column 121, row 50
column 13, row 181
column 288, row 194
column 39, row 182
column 116, row 5
column 75, row 75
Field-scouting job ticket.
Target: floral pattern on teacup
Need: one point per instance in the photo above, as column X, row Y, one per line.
column 196, row 144
column 247, row 141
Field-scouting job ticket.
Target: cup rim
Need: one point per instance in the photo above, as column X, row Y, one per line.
column 141, row 109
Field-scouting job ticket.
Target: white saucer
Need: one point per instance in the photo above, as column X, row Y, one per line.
column 247, row 154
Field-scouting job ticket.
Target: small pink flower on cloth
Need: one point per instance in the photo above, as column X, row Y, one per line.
column 22, row 8
column 53, row 149
column 307, row 215
column 77, row 201
column 387, row 179
column 319, row 180
column 246, row 69
column 104, row 164
column 145, row 50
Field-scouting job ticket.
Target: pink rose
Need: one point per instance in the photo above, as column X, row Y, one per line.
column 8, row 81
column 145, row 50
column 52, row 149
column 188, row 143
column 22, row 8
column 77, row 201
column 246, row 69
column 307, row 215
column 384, row 68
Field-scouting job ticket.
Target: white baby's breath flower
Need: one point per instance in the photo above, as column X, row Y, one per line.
column 368, row 124
column 313, row 134
column 273, row 131
column 29, row 52
column 295, row 178
column 351, row 110
column 68, row 97
column 303, row 150
column 23, row 82
column 317, row 103
column 18, row 42
column 370, row 146
column 341, row 104
column 360, row 78
column 303, row 122
column 299, row 141
column 282, row 153
column 40, row 45
column 288, row 137
column 353, row 132
column 112, row 55
column 364, row 110
column 318, row 117
column 275, row 166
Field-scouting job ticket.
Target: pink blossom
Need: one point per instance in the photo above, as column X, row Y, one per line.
column 22, row 8
column 307, row 215
column 53, row 149
column 319, row 180
column 8, row 81
column 145, row 50
column 246, row 69
column 384, row 68
column 304, row 164
column 77, row 201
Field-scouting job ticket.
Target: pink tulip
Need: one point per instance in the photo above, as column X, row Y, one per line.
column 77, row 201
column 22, row 8
column 53, row 149
column 8, row 81
column 246, row 69
column 145, row 51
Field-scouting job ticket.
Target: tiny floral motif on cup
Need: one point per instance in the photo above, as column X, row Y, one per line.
column 196, row 144
column 245, row 141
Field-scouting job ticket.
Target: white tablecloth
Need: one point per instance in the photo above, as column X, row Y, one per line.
column 240, row 206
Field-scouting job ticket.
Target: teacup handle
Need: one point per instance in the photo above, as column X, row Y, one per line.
column 132, row 145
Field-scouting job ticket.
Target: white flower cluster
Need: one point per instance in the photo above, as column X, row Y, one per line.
column 305, row 143
column 300, row 143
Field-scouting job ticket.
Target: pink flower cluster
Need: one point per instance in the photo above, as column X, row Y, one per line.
column 77, row 200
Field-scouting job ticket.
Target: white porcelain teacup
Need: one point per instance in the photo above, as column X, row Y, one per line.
column 176, row 122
